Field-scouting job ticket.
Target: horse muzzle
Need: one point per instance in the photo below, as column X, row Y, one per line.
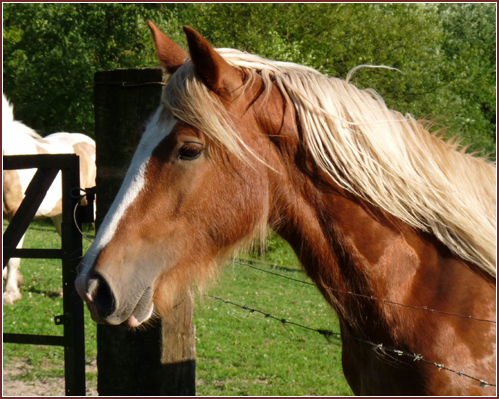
column 103, row 301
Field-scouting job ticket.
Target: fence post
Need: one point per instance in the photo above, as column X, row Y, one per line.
column 73, row 318
column 179, row 351
column 135, row 362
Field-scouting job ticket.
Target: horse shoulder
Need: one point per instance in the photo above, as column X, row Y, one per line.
column 12, row 193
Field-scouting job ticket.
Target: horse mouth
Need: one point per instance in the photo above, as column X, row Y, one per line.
column 143, row 310
column 129, row 315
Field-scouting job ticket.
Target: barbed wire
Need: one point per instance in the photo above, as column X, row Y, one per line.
column 385, row 301
column 379, row 347
column 326, row 333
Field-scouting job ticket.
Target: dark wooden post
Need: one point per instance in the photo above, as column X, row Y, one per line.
column 158, row 360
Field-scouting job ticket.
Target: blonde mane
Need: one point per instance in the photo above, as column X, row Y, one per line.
column 386, row 158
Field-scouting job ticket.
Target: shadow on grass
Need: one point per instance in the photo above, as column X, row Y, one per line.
column 47, row 293
column 272, row 265
column 286, row 269
column 88, row 230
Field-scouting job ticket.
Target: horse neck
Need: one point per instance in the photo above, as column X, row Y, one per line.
column 347, row 245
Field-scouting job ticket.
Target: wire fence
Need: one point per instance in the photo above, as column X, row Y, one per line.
column 385, row 301
column 376, row 346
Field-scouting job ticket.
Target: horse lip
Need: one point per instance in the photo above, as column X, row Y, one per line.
column 143, row 309
column 133, row 322
column 140, row 313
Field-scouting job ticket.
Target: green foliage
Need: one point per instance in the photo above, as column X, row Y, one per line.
column 445, row 51
column 51, row 52
column 469, row 47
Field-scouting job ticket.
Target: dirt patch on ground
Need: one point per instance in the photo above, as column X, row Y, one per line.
column 46, row 387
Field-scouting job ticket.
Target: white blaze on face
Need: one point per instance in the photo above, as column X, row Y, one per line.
column 133, row 184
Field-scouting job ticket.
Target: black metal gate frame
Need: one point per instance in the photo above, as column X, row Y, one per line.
column 70, row 252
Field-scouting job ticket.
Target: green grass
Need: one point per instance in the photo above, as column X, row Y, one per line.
column 238, row 352
column 35, row 312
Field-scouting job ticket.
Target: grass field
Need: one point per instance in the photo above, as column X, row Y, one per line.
column 238, row 352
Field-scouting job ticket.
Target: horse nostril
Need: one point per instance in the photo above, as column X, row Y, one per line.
column 102, row 295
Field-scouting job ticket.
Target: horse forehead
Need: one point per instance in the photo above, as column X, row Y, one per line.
column 157, row 128
column 156, row 131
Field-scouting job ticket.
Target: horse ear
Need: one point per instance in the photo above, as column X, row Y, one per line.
column 169, row 53
column 218, row 75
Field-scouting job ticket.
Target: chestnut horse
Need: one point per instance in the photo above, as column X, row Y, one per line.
column 19, row 139
column 371, row 203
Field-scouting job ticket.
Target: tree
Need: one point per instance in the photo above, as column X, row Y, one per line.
column 469, row 45
column 51, row 52
column 445, row 51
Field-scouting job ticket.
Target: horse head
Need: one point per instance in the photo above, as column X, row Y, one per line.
column 197, row 188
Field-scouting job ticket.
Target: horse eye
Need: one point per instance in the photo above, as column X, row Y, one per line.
column 189, row 152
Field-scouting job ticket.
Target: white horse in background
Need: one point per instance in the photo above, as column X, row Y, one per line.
column 19, row 139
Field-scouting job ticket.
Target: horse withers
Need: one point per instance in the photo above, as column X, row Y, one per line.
column 19, row 139
column 374, row 206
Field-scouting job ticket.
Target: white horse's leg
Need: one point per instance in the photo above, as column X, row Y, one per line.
column 13, row 279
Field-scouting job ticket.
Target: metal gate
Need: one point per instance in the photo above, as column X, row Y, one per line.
column 70, row 253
